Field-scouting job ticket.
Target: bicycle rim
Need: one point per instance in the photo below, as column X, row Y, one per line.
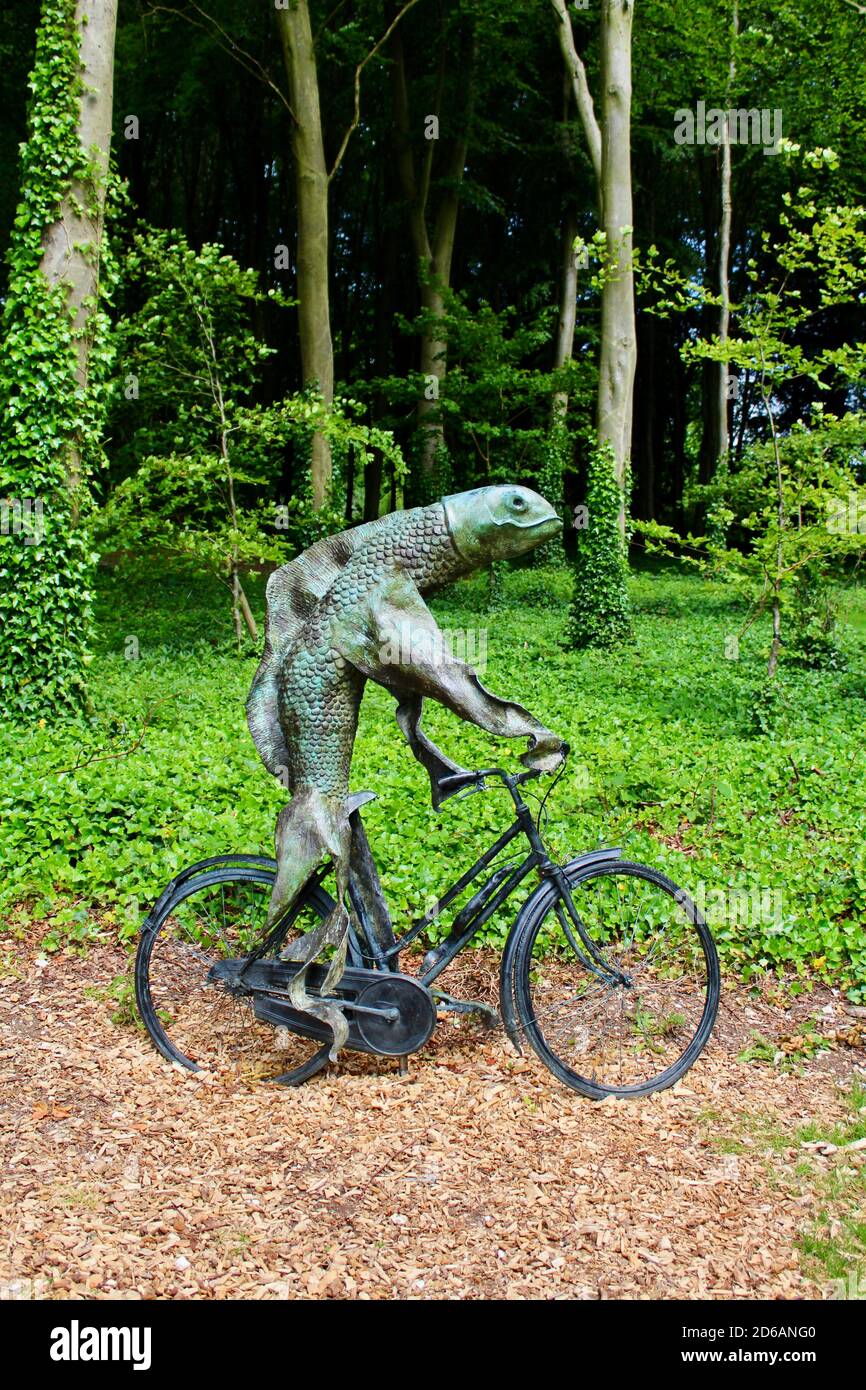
column 631, row 1009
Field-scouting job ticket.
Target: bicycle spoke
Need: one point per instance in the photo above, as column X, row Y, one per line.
column 208, row 1018
column 622, row 1032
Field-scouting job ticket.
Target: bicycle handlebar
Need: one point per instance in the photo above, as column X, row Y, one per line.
column 458, row 779
column 468, row 779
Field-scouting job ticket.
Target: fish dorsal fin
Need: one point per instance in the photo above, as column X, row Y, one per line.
column 293, row 593
column 295, row 590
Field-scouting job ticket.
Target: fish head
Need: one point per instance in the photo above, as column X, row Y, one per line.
column 499, row 522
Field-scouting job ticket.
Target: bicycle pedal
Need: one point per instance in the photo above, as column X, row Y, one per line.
column 449, row 1004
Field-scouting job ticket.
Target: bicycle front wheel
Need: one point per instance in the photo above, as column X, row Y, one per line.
column 622, row 1000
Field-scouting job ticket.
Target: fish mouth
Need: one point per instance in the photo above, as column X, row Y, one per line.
column 534, row 533
column 551, row 524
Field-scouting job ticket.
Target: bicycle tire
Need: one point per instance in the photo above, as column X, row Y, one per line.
column 532, row 920
column 229, row 870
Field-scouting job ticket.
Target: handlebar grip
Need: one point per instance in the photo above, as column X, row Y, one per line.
column 458, row 779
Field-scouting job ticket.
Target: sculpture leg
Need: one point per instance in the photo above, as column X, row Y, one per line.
column 366, row 891
column 313, row 827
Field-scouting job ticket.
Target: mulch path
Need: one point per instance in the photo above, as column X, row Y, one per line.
column 477, row 1176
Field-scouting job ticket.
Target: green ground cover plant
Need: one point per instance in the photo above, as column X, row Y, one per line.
column 763, row 828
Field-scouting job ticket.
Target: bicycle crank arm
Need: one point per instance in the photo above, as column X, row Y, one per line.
column 350, row 1005
column 489, row 1017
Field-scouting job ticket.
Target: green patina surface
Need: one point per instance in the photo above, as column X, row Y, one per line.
column 349, row 610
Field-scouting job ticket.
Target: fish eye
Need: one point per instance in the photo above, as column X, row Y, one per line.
column 518, row 503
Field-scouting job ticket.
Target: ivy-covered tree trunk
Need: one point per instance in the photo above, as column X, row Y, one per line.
column 601, row 612
column 73, row 241
column 54, row 361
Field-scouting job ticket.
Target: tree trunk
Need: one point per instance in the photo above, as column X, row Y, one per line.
column 679, row 375
column 73, row 242
column 567, row 314
column 579, row 85
column 723, row 440
column 433, row 250
column 434, row 364
column 311, row 183
column 609, row 146
column 618, row 351
column 776, row 578
column 708, row 179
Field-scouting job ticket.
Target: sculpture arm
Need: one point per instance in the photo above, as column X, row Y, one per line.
column 395, row 641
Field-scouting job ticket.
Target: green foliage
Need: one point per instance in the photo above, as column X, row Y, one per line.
column 103, row 813
column 190, row 337
column 46, row 417
column 495, row 399
column 600, row 613
column 766, row 707
column 189, row 365
column 555, row 459
column 790, row 496
column 814, row 613
column 206, row 457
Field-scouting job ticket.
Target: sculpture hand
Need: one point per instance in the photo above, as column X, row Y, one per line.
column 546, row 752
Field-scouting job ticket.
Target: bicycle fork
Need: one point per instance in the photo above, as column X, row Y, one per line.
column 592, row 960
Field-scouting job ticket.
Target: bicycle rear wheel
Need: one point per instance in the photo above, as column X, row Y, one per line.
column 195, row 1018
column 628, row 1009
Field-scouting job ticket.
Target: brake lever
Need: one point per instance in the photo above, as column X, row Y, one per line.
column 480, row 786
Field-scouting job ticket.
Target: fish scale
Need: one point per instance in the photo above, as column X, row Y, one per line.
column 328, row 612
column 317, row 688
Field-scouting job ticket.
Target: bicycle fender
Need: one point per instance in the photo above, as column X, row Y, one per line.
column 543, row 894
column 193, row 871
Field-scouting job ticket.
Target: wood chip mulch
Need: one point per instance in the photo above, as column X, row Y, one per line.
column 477, row 1176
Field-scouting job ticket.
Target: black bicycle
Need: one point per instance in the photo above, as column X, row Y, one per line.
column 609, row 970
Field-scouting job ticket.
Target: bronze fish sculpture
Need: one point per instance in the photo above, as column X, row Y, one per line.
column 349, row 610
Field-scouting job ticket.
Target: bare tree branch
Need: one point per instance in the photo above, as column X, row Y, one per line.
column 246, row 60
column 358, row 70
column 114, row 757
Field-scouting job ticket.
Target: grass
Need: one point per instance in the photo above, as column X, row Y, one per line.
column 835, row 1245
column 756, row 1130
column 832, row 1248
column 764, row 830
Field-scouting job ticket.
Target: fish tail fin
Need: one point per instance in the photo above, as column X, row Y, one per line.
column 263, row 714
column 312, row 828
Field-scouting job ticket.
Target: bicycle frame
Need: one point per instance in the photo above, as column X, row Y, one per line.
column 492, row 894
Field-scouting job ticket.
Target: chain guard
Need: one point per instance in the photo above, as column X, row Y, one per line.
column 267, row 981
